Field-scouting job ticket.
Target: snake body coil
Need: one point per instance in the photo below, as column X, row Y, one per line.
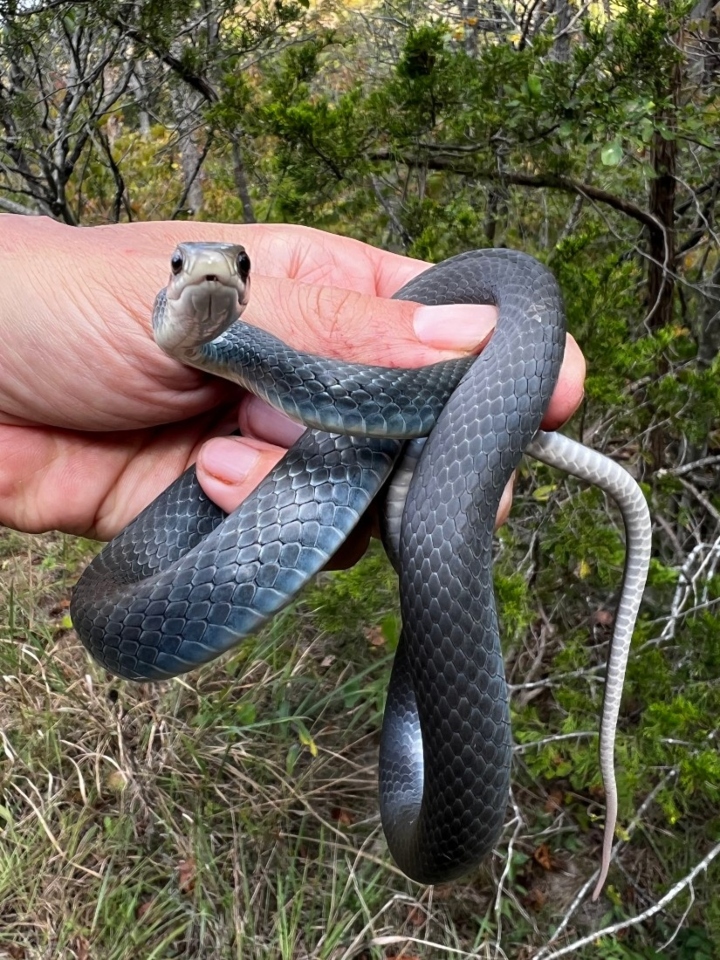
column 183, row 583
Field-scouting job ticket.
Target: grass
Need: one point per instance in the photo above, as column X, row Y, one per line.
column 233, row 813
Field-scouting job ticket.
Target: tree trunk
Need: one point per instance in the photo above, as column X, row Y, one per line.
column 469, row 13
column 661, row 284
column 186, row 107
column 561, row 47
column 241, row 184
column 663, row 189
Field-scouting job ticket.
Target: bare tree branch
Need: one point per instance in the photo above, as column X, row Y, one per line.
column 12, row 207
column 553, row 181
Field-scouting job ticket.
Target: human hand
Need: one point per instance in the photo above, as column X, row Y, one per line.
column 95, row 420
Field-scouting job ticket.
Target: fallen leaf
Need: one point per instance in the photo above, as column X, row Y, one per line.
column 374, row 636
column 342, row 816
column 416, row 917
column 307, row 741
column 543, row 857
column 602, row 618
column 554, row 800
column 534, row 899
column 186, row 875
column 82, row 948
column 583, row 569
column 142, row 909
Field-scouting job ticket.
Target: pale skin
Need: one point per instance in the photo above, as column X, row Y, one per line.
column 95, row 421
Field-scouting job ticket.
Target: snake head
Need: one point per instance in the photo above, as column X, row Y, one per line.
column 208, row 290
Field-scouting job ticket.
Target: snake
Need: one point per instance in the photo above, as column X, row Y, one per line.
column 184, row 582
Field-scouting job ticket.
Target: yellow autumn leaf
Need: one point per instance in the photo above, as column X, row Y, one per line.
column 583, row 570
column 307, row 741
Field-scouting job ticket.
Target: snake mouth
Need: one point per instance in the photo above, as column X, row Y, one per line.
column 218, row 293
column 207, row 282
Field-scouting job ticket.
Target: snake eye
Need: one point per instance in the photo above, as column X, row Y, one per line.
column 243, row 265
column 176, row 262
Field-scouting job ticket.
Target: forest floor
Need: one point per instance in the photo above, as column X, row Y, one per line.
column 233, row 812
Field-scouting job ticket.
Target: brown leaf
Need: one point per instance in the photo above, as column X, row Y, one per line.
column 342, row 816
column 142, row 908
column 16, row 951
column 554, row 800
column 416, row 917
column 187, row 870
column 82, row 948
column 534, row 899
column 543, row 857
column 374, row 636
column 603, row 618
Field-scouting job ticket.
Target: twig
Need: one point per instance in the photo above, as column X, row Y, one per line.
column 558, row 679
column 614, row 928
column 689, row 574
column 703, row 500
column 687, row 467
column 519, row 823
column 520, row 747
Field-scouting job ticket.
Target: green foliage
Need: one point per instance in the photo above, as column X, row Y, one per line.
column 408, row 136
column 343, row 603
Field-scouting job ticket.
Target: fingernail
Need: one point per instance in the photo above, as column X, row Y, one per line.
column 230, row 459
column 462, row 326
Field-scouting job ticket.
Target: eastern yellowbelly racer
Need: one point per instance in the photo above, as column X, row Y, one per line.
column 183, row 583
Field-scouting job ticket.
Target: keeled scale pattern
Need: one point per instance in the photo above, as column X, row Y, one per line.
column 445, row 752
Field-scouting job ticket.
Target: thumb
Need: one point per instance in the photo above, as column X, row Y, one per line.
column 357, row 327
column 329, row 322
